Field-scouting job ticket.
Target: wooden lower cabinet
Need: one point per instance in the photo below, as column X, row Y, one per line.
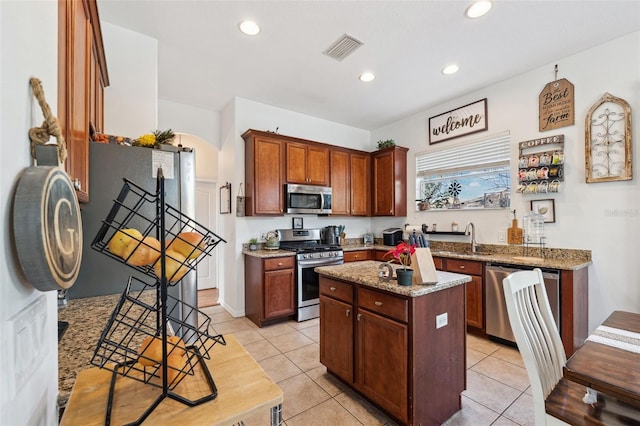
column 386, row 347
column 269, row 289
column 383, row 342
column 474, row 296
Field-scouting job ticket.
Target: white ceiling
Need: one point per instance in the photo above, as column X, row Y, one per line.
column 205, row 61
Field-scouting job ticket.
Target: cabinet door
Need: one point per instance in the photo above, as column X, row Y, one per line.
column 318, row 165
column 382, row 362
column 340, row 185
column 296, row 163
column 473, row 297
column 278, row 293
column 77, row 135
column 336, row 337
column 268, row 190
column 360, row 182
column 383, row 190
column 307, row 164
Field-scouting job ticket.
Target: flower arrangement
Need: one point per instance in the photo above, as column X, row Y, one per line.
column 402, row 253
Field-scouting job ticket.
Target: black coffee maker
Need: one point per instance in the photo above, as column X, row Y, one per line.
column 331, row 235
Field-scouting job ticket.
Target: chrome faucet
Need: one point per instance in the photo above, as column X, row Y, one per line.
column 474, row 244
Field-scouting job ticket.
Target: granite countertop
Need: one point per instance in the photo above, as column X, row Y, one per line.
column 366, row 273
column 87, row 319
column 553, row 258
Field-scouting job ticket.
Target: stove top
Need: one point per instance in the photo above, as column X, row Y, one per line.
column 308, row 247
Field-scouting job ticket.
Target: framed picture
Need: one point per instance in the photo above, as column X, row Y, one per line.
column 225, row 199
column 546, row 208
column 465, row 120
column 297, row 223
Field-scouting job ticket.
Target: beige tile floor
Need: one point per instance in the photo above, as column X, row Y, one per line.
column 497, row 385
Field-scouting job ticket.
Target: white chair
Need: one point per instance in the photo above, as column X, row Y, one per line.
column 537, row 337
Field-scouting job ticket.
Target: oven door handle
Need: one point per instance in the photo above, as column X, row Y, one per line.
column 321, row 262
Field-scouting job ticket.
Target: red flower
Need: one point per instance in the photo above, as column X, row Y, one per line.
column 402, row 253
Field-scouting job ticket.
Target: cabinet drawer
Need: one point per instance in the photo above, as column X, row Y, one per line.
column 438, row 263
column 336, row 289
column 464, row 266
column 385, row 304
column 355, row 256
column 279, row 263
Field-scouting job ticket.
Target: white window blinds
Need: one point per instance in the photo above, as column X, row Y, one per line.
column 487, row 153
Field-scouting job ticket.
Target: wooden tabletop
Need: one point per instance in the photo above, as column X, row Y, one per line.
column 607, row 368
column 243, row 389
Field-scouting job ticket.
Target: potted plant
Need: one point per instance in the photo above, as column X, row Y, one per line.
column 386, row 144
column 402, row 253
column 253, row 244
column 432, row 196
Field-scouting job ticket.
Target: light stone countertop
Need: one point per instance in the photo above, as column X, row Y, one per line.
column 564, row 259
column 366, row 273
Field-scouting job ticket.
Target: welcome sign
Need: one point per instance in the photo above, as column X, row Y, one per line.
column 467, row 119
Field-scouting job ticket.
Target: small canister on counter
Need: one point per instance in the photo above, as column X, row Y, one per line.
column 454, row 226
column 434, row 228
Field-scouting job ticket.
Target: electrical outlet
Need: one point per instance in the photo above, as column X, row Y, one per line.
column 502, row 236
column 442, row 320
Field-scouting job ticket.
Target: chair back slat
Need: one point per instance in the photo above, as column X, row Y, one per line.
column 536, row 334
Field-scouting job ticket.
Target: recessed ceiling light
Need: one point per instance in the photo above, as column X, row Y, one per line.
column 367, row 77
column 450, row 69
column 249, row 28
column 478, row 8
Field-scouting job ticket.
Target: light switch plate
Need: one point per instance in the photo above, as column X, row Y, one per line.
column 442, row 320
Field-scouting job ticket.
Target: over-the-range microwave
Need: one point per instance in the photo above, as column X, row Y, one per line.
column 309, row 199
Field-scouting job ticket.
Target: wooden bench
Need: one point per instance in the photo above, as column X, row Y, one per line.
column 565, row 403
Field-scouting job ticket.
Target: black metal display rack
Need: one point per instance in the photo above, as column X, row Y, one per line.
column 146, row 311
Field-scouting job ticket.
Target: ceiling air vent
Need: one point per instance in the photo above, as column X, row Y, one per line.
column 343, row 47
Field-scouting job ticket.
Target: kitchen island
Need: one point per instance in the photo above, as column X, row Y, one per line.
column 401, row 347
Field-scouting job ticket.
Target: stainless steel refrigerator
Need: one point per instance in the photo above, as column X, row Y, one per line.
column 108, row 165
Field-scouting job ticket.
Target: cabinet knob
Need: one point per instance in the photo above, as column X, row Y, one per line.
column 390, row 211
column 359, row 316
column 332, row 288
column 461, row 266
column 77, row 185
column 378, row 303
column 348, row 312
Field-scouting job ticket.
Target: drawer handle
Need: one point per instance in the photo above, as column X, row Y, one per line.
column 461, row 266
column 333, row 289
column 348, row 312
column 280, row 263
column 378, row 303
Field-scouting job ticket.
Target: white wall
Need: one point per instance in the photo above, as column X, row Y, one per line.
column 601, row 217
column 131, row 100
column 201, row 122
column 28, row 36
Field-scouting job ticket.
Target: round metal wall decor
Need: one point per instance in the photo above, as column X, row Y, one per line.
column 47, row 228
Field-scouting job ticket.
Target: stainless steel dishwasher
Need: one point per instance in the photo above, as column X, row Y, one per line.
column 496, row 307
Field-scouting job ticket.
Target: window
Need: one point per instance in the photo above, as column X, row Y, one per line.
column 470, row 176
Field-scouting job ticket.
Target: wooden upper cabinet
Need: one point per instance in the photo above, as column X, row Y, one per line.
column 389, row 181
column 350, row 177
column 82, row 76
column 360, row 181
column 307, row 164
column 340, row 183
column 264, row 174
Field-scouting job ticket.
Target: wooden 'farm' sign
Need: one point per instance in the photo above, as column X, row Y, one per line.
column 556, row 105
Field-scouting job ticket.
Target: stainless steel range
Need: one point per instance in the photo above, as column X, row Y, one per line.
column 311, row 252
